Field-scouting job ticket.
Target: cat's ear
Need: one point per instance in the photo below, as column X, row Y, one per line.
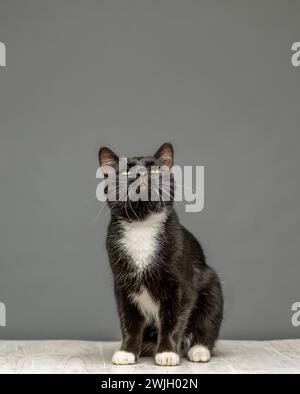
column 166, row 154
column 107, row 159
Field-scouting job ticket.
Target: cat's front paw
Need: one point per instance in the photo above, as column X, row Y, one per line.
column 199, row 354
column 167, row 358
column 121, row 357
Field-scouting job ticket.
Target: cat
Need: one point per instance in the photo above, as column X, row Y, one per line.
column 169, row 300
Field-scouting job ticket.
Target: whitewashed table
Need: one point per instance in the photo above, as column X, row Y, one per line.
column 95, row 357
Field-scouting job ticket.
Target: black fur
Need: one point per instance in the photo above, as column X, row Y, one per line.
column 187, row 289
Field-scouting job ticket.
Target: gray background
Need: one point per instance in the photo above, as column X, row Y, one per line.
column 214, row 78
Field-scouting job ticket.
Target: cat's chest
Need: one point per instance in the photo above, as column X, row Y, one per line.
column 140, row 239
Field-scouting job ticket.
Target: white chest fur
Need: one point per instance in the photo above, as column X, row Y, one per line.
column 140, row 238
column 146, row 304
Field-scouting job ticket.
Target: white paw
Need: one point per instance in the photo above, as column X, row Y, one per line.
column 198, row 353
column 167, row 358
column 121, row 357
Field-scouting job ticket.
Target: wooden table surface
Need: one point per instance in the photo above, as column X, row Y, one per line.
column 65, row 356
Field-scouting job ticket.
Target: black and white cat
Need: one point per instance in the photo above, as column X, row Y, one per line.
column 169, row 300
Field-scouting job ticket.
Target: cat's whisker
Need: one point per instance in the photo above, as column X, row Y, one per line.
column 116, row 202
column 99, row 213
column 104, row 206
column 127, row 212
column 133, row 210
column 89, row 201
column 188, row 188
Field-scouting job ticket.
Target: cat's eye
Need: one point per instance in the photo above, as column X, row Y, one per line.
column 155, row 170
column 127, row 173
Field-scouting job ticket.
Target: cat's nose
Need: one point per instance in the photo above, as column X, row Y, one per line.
column 142, row 173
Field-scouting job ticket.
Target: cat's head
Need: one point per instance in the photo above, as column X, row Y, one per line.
column 139, row 185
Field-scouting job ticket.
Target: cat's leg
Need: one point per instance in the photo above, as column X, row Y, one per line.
column 171, row 327
column 204, row 323
column 132, row 325
column 149, row 340
column 200, row 337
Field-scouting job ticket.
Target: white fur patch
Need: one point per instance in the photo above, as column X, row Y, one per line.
column 121, row 357
column 146, row 304
column 199, row 353
column 167, row 358
column 140, row 238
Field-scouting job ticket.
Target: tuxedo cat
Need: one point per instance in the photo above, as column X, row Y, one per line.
column 169, row 300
